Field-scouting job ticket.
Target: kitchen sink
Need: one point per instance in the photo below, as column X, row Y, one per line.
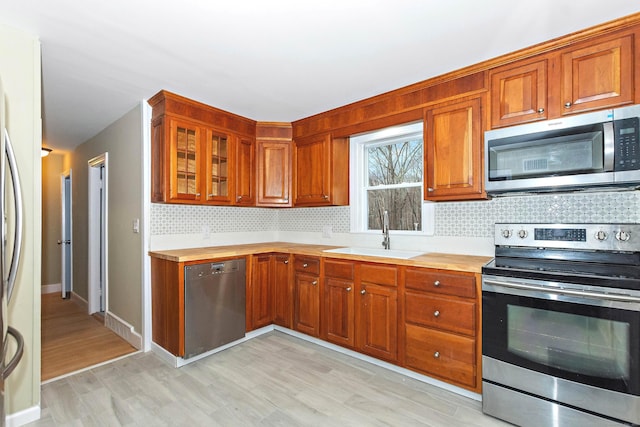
column 386, row 253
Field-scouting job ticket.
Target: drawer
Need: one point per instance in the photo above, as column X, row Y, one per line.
column 338, row 269
column 309, row 265
column 440, row 282
column 378, row 274
column 453, row 315
column 439, row 354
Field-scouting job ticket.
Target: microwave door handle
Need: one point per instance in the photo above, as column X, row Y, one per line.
column 609, row 146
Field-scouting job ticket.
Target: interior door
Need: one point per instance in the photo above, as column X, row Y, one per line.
column 65, row 242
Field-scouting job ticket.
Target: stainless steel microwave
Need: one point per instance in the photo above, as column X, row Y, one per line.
column 585, row 151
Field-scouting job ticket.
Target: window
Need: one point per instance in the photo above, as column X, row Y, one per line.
column 387, row 174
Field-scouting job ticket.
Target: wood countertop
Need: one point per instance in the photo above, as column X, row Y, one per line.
column 467, row 263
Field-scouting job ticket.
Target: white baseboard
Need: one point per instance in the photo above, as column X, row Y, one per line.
column 80, row 301
column 123, row 329
column 23, row 417
column 51, row 288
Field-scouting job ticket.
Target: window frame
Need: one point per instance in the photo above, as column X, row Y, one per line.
column 359, row 176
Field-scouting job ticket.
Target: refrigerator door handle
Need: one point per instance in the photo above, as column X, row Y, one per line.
column 17, row 195
column 11, row 365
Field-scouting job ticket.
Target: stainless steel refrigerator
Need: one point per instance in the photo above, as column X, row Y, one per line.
column 10, row 246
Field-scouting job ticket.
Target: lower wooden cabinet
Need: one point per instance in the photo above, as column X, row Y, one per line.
column 283, row 300
column 338, row 319
column 262, row 292
column 307, row 295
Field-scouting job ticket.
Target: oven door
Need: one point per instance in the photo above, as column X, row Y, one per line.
column 563, row 342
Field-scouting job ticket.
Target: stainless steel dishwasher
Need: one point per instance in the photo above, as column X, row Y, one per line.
column 214, row 305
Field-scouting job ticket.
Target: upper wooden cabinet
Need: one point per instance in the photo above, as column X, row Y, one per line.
column 453, row 150
column 586, row 76
column 322, row 171
column 200, row 155
column 273, row 152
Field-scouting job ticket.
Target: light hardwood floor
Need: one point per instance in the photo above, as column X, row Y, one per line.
column 274, row 379
column 73, row 340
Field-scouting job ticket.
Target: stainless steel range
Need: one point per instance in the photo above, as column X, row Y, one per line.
column 561, row 325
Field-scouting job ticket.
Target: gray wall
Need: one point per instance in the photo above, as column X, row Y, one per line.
column 122, row 140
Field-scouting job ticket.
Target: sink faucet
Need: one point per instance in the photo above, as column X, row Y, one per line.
column 386, row 242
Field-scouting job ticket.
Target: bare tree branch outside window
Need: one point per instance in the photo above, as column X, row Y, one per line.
column 395, row 184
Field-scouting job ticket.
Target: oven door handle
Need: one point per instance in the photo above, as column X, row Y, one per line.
column 572, row 292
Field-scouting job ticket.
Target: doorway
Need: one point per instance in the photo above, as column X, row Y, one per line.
column 65, row 242
column 98, row 234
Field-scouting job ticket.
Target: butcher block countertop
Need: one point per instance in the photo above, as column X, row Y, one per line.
column 467, row 263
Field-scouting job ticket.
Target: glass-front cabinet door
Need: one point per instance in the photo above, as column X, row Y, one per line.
column 185, row 161
column 217, row 152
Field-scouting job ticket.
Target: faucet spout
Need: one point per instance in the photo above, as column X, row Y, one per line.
column 386, row 242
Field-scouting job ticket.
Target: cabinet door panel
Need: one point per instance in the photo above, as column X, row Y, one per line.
column 378, row 321
column 184, row 164
column 312, row 171
column 218, row 159
column 283, row 298
column 245, row 165
column 262, row 291
column 339, row 311
column 453, row 135
column 597, row 75
column 519, row 94
column 274, row 173
column 307, row 307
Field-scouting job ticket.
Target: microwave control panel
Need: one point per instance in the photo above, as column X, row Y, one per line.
column 627, row 156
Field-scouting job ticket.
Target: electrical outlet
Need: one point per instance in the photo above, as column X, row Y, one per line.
column 206, row 232
column 135, row 226
column 327, row 231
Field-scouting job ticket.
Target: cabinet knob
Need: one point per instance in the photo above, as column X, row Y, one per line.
column 348, row 289
column 324, row 196
column 567, row 105
column 286, row 261
column 197, row 194
column 436, row 313
column 436, row 355
column 540, row 110
column 363, row 292
column 239, row 198
column 315, row 282
column 305, row 265
column 436, row 283
column 430, row 190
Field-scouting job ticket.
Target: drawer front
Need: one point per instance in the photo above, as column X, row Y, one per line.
column 439, row 354
column 307, row 264
column 439, row 282
column 379, row 274
column 453, row 315
column 338, row 269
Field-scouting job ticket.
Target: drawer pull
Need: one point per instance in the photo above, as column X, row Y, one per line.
column 348, row 289
column 315, row 282
column 362, row 292
column 286, row 261
column 436, row 283
column 436, row 355
column 436, row 313
column 305, row 265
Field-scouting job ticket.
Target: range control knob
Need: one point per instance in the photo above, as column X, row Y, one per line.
column 623, row 236
column 601, row 235
column 523, row 234
column 506, row 233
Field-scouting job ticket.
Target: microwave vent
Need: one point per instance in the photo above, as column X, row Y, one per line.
column 540, row 164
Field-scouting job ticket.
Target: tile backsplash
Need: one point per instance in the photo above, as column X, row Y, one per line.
column 460, row 219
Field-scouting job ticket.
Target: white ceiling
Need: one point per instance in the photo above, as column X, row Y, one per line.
column 277, row 60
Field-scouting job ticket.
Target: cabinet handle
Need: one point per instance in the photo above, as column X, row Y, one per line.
column 197, row 194
column 436, row 313
column 326, row 197
column 567, row 105
column 210, row 195
column 239, row 198
column 348, row 289
column 436, row 283
column 430, row 190
column 362, row 292
column 315, row 282
column 286, row 261
column 540, row 110
column 436, row 355
column 305, row 265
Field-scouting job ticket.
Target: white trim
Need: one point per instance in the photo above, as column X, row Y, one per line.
column 51, row 288
column 80, row 301
column 88, row 368
column 94, row 230
column 123, row 329
column 23, row 417
column 146, row 228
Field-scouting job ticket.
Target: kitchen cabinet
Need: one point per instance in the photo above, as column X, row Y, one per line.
column 167, row 305
column 591, row 75
column 453, row 150
column 307, row 295
column 260, row 302
column 199, row 154
column 441, row 315
column 338, row 320
column 377, row 311
column 321, row 171
column 283, row 299
column 274, row 159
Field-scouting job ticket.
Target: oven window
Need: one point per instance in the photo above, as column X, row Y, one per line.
column 574, row 343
